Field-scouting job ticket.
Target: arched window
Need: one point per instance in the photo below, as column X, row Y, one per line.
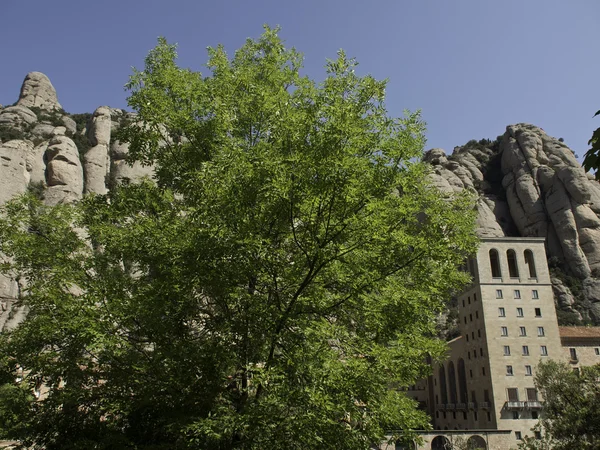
column 513, row 270
column 452, row 382
column 476, row 442
column 530, row 263
column 462, row 381
column 443, row 389
column 440, row 442
column 495, row 263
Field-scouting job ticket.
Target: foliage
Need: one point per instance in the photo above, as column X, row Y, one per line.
column 37, row 189
column 53, row 117
column 591, row 159
column 571, row 417
column 9, row 133
column 282, row 272
column 80, row 138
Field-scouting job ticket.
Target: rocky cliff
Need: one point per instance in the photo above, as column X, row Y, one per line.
column 526, row 182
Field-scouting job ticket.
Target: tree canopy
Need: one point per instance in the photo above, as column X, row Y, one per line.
column 571, row 415
column 275, row 286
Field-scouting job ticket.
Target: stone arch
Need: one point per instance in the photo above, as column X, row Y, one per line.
column 513, row 268
column 462, row 382
column 452, row 382
column 530, row 263
column 443, row 386
column 495, row 263
column 476, row 442
column 440, row 443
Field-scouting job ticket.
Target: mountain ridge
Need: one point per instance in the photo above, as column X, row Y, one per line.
column 526, row 183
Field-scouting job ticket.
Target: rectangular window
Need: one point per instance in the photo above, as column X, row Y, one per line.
column 540, row 331
column 518, row 433
column 507, row 350
column 525, row 350
column 470, row 317
column 503, row 331
column 471, row 373
column 501, row 312
column 498, row 293
column 573, row 354
column 477, row 314
column 534, row 294
column 513, row 394
column 517, row 293
column 516, row 416
column 532, row 395
column 481, row 351
column 465, row 320
column 522, row 331
column 538, row 312
column 519, row 312
column 467, row 337
column 463, row 303
column 474, row 297
column 483, row 371
column 597, row 351
column 543, row 350
column 478, row 333
column 528, row 371
column 486, row 396
column 509, row 370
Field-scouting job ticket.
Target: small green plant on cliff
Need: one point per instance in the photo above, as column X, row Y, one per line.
column 10, row 133
column 591, row 159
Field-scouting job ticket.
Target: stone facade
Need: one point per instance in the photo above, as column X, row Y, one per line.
column 508, row 325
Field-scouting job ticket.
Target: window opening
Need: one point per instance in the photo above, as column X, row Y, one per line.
column 529, row 263
column 513, row 270
column 495, row 264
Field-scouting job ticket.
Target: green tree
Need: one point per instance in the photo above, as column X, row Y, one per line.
column 571, row 415
column 591, row 159
column 271, row 288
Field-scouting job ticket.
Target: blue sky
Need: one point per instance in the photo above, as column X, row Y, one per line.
column 471, row 66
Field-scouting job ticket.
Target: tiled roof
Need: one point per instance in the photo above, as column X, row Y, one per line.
column 579, row 332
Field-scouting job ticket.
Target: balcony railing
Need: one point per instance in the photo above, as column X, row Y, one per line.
column 533, row 404
column 515, row 406
column 484, row 405
column 472, row 405
column 461, row 406
column 450, row 406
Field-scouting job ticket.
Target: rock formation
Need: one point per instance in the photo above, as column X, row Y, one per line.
column 38, row 92
column 526, row 184
column 530, row 184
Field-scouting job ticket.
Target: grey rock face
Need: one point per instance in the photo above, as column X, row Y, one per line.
column 121, row 171
column 64, row 173
column 13, row 169
column 37, row 91
column 95, row 161
column 19, row 117
column 530, row 184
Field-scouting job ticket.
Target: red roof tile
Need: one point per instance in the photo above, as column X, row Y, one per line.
column 579, row 332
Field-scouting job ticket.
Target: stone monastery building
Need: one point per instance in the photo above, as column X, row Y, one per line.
column 483, row 394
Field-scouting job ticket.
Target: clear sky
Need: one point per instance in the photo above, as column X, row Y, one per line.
column 471, row 66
